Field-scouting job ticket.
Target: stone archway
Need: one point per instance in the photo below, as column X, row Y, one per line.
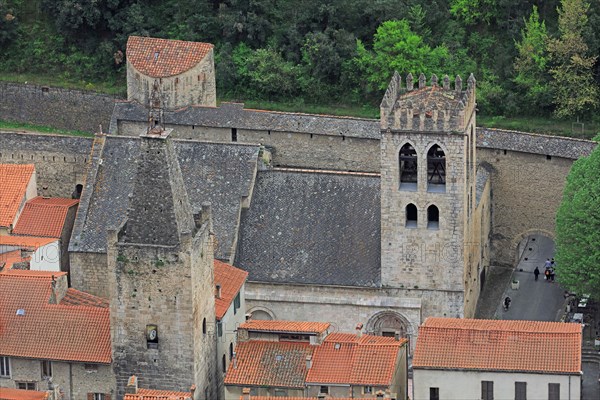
column 261, row 313
column 388, row 323
column 523, row 246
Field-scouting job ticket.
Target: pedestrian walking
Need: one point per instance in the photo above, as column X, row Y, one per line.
column 507, row 301
column 536, row 273
column 547, row 274
column 548, row 263
column 551, row 274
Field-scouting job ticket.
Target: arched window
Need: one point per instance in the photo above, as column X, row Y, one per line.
column 411, row 216
column 204, row 326
column 433, row 217
column 230, row 351
column 77, row 193
column 224, row 361
column 436, row 169
column 407, row 160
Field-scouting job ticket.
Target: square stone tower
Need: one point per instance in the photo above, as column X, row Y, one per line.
column 427, row 190
column 160, row 271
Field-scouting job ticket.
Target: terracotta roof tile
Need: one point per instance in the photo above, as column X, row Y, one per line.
column 291, row 398
column 31, row 242
column 161, row 58
column 13, row 183
column 153, row 394
column 529, row 346
column 74, row 297
column 344, row 358
column 9, row 258
column 44, row 217
column 231, row 280
column 274, row 364
column 285, row 326
column 20, row 394
column 49, row 331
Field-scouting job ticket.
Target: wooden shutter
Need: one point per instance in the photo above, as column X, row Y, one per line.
column 553, row 391
column 90, row 396
column 487, row 390
column 107, row 396
column 520, row 390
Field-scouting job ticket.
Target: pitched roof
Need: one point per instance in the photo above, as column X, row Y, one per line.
column 74, row 297
column 285, row 326
column 44, row 216
column 274, row 364
column 11, row 257
column 527, row 346
column 49, row 331
column 153, row 394
column 20, row 394
column 312, row 228
column 31, row 242
column 344, row 358
column 13, row 181
column 290, row 398
column 161, row 58
column 231, row 280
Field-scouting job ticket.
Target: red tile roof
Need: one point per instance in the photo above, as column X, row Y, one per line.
column 74, row 297
column 49, row 331
column 153, row 394
column 14, row 179
column 344, row 358
column 44, row 217
column 528, row 346
column 160, row 58
column 285, row 326
column 20, row 394
column 9, row 258
column 30, row 242
column 291, row 398
column 231, row 280
column 274, row 364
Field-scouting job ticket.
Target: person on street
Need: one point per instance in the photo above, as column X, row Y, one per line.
column 507, row 301
column 547, row 274
column 536, row 273
column 551, row 274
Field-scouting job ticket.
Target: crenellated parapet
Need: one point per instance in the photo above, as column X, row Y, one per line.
column 427, row 108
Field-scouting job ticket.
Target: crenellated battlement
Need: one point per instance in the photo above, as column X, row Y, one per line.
column 432, row 108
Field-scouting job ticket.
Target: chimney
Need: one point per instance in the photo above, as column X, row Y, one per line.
column 248, row 316
column 359, row 327
column 234, row 358
column 132, row 385
column 192, row 391
column 308, row 362
column 218, row 291
column 397, row 335
column 59, row 287
column 246, row 394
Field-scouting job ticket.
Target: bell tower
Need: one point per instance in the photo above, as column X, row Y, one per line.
column 427, row 190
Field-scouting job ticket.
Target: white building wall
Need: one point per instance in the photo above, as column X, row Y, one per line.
column 466, row 385
column 46, row 258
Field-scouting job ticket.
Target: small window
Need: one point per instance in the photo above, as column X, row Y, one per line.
column 434, row 393
column 411, row 216
column 234, row 134
column 280, row 393
column 368, row 390
column 230, row 351
column 236, row 303
column 152, row 336
column 219, row 329
column 91, row 367
column 26, row 385
column 436, row 170
column 99, row 396
column 224, row 363
column 204, row 326
column 554, row 391
column 487, row 390
column 324, row 390
column 407, row 161
column 4, row 367
column 46, row 369
column 520, row 390
column 433, row 217
column 548, row 157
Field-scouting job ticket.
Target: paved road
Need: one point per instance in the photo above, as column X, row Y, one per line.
column 534, row 300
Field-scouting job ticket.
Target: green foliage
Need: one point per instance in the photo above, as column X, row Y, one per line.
column 397, row 48
column 576, row 92
column 9, row 20
column 578, row 229
column 531, row 62
column 473, row 11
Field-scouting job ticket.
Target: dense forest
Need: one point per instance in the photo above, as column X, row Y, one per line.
column 530, row 57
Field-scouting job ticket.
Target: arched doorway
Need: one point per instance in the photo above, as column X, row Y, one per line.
column 388, row 323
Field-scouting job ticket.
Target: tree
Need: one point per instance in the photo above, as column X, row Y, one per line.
column 575, row 90
column 8, row 21
column 578, row 228
column 532, row 60
column 397, row 48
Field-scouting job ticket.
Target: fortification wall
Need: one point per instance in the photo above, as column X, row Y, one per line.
column 58, row 108
column 60, row 161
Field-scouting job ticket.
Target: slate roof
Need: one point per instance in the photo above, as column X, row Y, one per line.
column 217, row 173
column 49, row 331
column 271, row 364
column 233, row 115
column 256, row 325
column 44, row 216
column 161, row 58
column 344, row 358
column 558, row 146
column 496, row 345
column 14, row 179
column 231, row 280
column 312, row 228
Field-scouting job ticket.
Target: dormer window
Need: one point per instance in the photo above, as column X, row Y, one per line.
column 156, row 54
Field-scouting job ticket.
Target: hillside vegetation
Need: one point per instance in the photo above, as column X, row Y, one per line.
column 531, row 58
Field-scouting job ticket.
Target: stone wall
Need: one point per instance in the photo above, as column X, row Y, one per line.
column 88, row 273
column 60, row 161
column 74, row 379
column 55, row 107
